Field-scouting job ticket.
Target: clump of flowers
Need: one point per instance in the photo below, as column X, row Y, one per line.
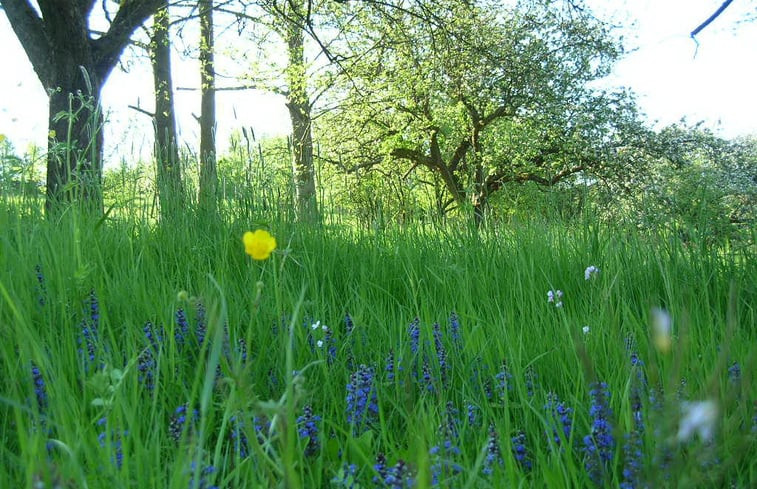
column 259, row 244
column 415, row 334
column 182, row 419
column 307, row 427
column 39, row 389
column 520, row 451
column 200, row 477
column 182, row 328
column 326, row 342
column 346, row 477
column 445, row 453
column 389, row 367
column 555, row 297
column 114, row 440
column 562, row 419
column 632, row 448
column 590, row 272
column 362, row 401
column 600, row 444
column 400, row 476
column 493, row 452
column 89, row 331
column 504, row 380
column 454, row 328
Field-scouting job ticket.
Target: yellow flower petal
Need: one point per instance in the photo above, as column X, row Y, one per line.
column 2, row 138
column 259, row 244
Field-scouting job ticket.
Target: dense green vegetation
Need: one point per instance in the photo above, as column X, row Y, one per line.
column 489, row 272
column 96, row 363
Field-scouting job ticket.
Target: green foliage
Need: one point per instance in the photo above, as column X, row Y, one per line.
column 480, row 96
column 691, row 181
column 20, row 175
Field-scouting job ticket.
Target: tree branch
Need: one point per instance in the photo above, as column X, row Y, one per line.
column 711, row 18
column 30, row 30
column 130, row 15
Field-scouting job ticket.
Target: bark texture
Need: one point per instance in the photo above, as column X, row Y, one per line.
column 170, row 189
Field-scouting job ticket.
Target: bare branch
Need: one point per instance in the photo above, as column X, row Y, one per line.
column 711, row 18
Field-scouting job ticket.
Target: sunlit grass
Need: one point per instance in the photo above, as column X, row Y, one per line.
column 101, row 426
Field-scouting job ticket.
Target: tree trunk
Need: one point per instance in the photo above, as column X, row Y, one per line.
column 170, row 188
column 298, row 104
column 72, row 67
column 208, row 173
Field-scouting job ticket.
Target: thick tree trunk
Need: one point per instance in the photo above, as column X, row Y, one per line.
column 170, row 188
column 302, row 140
column 72, row 67
column 208, row 172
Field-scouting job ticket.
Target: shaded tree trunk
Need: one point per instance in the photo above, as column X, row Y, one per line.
column 170, row 188
column 208, row 172
column 298, row 104
column 72, row 67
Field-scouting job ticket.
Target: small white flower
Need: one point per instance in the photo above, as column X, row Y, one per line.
column 697, row 417
column 554, row 295
column 325, row 328
column 590, row 272
column 319, row 343
column 586, row 330
column 315, row 325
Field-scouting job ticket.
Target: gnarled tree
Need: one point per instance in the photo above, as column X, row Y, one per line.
column 479, row 95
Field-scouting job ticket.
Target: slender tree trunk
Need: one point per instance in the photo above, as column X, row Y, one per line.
column 208, row 173
column 298, row 104
column 170, row 189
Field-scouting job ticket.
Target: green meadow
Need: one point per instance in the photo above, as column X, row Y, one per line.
column 138, row 354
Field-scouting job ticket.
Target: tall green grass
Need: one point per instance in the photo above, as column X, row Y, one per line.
column 101, row 426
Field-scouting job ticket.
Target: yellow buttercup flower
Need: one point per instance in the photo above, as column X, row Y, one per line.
column 259, row 244
column 2, row 138
column 51, row 134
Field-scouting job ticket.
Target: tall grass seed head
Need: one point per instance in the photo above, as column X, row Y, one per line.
column 661, row 330
column 259, row 244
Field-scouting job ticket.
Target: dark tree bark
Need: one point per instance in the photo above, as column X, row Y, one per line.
column 72, row 66
column 298, row 104
column 208, row 172
column 170, row 189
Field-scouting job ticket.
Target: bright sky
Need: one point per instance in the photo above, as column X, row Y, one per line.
column 673, row 79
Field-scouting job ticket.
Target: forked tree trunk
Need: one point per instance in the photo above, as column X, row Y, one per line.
column 208, row 172
column 72, row 67
column 170, row 188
